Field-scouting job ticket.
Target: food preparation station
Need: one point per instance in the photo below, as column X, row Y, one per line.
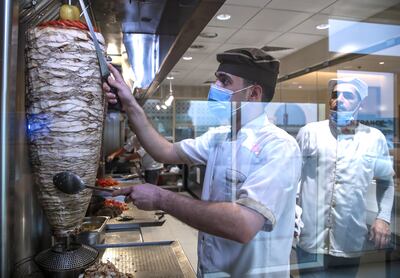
column 40, row 237
column 31, row 246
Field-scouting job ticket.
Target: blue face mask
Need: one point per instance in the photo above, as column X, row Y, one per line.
column 220, row 103
column 343, row 118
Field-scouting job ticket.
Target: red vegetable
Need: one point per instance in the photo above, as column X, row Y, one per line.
column 104, row 182
column 65, row 24
column 114, row 203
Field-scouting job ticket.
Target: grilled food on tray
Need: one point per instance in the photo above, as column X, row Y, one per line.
column 108, row 269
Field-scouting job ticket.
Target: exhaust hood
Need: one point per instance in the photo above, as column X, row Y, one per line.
column 153, row 34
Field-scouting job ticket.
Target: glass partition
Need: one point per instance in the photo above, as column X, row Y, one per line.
column 314, row 168
column 192, row 119
column 160, row 118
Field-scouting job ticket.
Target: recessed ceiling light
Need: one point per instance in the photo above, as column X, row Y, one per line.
column 322, row 26
column 300, row 87
column 170, row 77
column 208, row 35
column 223, row 16
column 381, row 63
column 187, row 58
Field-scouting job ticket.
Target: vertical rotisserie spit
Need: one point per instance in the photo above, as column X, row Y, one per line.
column 65, row 112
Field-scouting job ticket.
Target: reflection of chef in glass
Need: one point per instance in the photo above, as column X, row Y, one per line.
column 341, row 157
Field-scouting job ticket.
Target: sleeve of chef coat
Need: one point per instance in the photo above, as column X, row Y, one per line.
column 194, row 151
column 269, row 189
column 383, row 172
column 383, row 165
column 141, row 152
column 128, row 146
column 305, row 141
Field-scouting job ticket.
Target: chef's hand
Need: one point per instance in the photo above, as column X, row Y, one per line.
column 110, row 157
column 380, row 233
column 124, row 92
column 143, row 196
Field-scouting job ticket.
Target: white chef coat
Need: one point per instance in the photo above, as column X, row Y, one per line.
column 148, row 163
column 129, row 145
column 259, row 170
column 337, row 170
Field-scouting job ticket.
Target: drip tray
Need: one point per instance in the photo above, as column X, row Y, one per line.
column 130, row 236
column 150, row 259
column 135, row 218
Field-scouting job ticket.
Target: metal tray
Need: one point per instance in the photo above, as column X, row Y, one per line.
column 126, row 236
column 139, row 218
column 125, row 176
column 150, row 259
column 93, row 230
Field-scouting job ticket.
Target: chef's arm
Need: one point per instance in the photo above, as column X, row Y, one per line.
column 115, row 154
column 380, row 230
column 157, row 146
column 384, row 198
column 133, row 156
column 223, row 219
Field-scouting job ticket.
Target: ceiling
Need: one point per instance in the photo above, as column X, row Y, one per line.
column 282, row 23
column 315, row 83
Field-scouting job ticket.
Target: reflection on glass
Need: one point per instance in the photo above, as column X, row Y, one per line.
column 355, row 37
column 161, row 119
column 192, row 119
column 292, row 116
column 377, row 109
column 341, row 159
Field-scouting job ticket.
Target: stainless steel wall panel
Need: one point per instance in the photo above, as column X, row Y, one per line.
column 23, row 229
column 7, row 76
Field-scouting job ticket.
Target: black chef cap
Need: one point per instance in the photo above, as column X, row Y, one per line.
column 252, row 64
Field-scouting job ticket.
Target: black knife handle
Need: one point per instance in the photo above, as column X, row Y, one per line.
column 117, row 106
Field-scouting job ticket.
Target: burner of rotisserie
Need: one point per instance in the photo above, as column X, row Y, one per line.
column 75, row 257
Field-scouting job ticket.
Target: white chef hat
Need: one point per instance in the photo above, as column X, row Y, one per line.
column 360, row 86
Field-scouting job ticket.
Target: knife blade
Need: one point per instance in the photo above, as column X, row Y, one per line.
column 104, row 71
column 102, row 61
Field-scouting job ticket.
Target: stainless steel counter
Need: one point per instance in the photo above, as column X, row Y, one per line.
column 152, row 259
column 122, row 244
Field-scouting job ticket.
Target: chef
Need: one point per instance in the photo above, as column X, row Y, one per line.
column 341, row 157
column 246, row 214
column 152, row 168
